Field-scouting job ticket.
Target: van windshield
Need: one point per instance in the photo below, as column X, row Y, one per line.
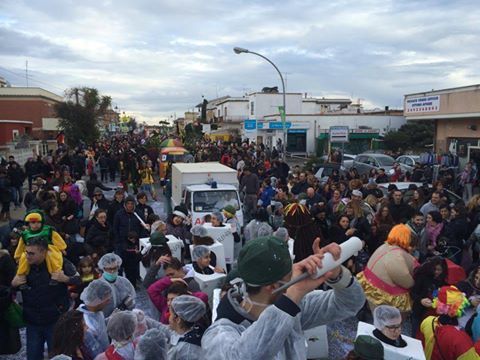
column 208, row 201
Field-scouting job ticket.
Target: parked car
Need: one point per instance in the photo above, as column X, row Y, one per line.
column 326, row 170
column 407, row 162
column 366, row 162
column 403, row 187
column 347, row 160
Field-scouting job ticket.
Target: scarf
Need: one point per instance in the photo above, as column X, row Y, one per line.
column 432, row 233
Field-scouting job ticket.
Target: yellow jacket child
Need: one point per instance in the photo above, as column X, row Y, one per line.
column 36, row 229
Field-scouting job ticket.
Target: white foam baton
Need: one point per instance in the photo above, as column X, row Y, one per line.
column 349, row 248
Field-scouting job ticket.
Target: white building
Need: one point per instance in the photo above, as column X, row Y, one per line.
column 307, row 121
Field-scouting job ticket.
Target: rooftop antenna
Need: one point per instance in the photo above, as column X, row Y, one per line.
column 26, row 71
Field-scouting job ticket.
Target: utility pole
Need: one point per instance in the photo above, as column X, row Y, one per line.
column 26, row 71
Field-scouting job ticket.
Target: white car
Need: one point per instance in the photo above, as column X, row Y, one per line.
column 407, row 162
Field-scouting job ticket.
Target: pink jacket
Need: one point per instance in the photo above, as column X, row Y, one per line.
column 155, row 292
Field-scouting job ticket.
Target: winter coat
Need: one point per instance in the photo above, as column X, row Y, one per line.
column 42, row 303
column 98, row 235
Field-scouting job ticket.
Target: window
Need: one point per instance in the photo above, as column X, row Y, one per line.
column 385, row 161
column 252, row 108
column 15, row 134
column 226, row 113
column 361, row 159
column 208, row 201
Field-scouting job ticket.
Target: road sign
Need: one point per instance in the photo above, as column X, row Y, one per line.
column 277, row 125
column 338, row 134
column 250, row 125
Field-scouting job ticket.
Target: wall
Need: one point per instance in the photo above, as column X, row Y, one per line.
column 454, row 129
column 382, row 122
column 267, row 104
column 235, row 109
column 27, row 109
column 6, row 131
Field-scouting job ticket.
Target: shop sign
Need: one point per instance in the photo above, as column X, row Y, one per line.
column 422, row 104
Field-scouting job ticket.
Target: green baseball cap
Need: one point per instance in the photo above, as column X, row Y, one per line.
column 367, row 347
column 158, row 239
column 264, row 261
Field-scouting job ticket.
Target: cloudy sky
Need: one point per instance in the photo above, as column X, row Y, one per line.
column 158, row 57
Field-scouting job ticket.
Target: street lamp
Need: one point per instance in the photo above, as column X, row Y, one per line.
column 239, row 50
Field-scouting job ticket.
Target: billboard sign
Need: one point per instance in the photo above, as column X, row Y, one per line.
column 422, row 104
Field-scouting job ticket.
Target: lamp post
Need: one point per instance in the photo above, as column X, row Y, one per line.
column 283, row 112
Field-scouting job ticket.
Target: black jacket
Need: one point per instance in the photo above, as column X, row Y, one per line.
column 401, row 213
column 457, row 231
column 112, row 210
column 124, row 223
column 43, row 303
column 16, row 176
column 98, row 235
column 143, row 211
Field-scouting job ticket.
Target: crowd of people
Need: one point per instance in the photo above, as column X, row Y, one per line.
column 70, row 267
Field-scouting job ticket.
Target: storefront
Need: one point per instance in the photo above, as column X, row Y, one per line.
column 269, row 132
column 360, row 140
column 456, row 114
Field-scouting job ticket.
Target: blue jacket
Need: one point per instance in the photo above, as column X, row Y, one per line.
column 267, row 195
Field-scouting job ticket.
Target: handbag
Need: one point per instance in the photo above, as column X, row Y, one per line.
column 14, row 315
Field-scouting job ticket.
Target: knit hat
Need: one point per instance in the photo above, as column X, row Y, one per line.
column 35, row 216
column 448, row 300
column 158, row 239
column 97, row 191
column 264, row 261
column 180, row 211
column 229, row 211
column 367, row 347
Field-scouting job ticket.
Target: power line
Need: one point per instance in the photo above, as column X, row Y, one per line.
column 30, row 77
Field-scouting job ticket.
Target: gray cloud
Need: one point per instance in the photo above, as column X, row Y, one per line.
column 15, row 43
column 159, row 57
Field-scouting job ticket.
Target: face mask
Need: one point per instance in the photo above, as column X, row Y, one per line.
column 110, row 277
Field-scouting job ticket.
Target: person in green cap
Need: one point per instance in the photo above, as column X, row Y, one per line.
column 366, row 347
column 257, row 323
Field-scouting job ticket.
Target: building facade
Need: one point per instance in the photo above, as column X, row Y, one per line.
column 29, row 111
column 456, row 114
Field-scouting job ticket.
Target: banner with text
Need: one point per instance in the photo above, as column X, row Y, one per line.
column 422, row 104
